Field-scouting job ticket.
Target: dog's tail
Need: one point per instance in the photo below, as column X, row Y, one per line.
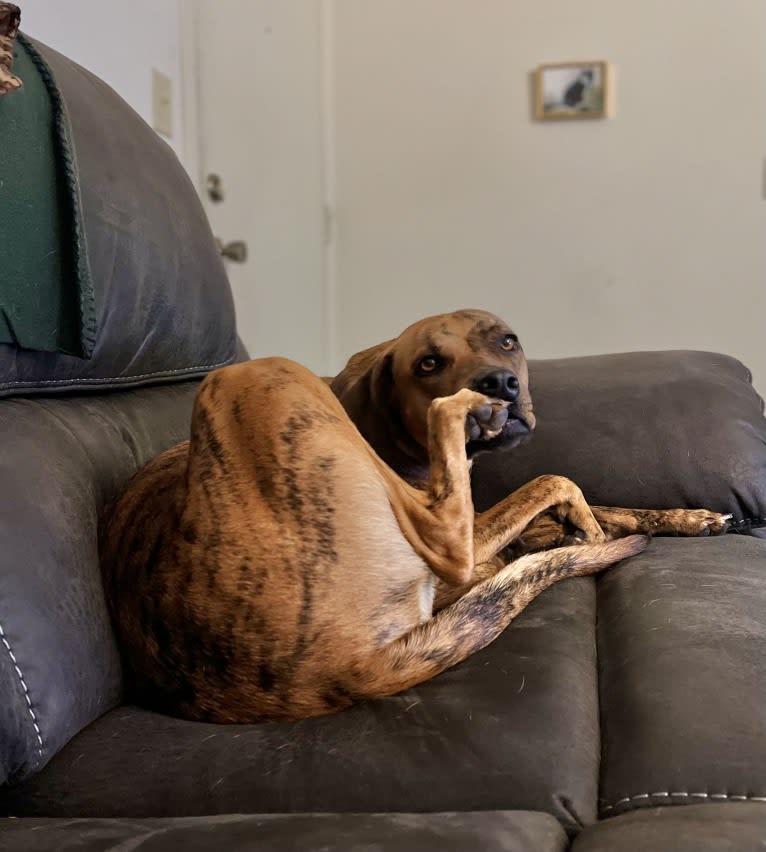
column 479, row 616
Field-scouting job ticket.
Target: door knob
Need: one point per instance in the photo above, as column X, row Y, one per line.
column 236, row 251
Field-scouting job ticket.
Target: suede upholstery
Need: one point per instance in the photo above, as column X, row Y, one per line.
column 624, row 712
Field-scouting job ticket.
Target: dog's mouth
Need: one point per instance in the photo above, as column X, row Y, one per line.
column 515, row 431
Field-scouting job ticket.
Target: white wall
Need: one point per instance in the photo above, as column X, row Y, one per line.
column 120, row 42
column 644, row 231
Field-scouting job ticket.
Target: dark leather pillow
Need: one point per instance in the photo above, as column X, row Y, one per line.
column 642, row 430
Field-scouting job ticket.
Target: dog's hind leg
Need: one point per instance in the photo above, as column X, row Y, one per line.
column 446, row 522
column 482, row 613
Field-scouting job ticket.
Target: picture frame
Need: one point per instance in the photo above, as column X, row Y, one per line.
column 573, row 90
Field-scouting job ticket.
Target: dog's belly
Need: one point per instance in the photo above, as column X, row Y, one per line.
column 389, row 585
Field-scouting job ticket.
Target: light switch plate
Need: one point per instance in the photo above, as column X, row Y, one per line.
column 162, row 103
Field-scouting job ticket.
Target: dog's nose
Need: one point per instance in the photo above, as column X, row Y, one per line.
column 500, row 384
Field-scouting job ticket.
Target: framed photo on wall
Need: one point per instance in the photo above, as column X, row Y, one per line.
column 567, row 90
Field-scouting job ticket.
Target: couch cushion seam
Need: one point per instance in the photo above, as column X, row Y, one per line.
column 107, row 379
column 686, row 795
column 26, row 691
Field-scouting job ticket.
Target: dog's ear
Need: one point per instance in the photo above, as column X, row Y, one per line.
column 366, row 382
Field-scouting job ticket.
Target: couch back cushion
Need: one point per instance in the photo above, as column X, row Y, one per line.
column 643, row 430
column 140, row 277
column 61, row 462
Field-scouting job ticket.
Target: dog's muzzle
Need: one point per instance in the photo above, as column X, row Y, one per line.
column 505, row 385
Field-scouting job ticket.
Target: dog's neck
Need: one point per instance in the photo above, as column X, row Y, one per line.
column 393, row 443
column 368, row 403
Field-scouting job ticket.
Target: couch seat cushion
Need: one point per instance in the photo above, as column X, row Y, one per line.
column 682, row 645
column 699, row 828
column 513, row 727
column 504, row 831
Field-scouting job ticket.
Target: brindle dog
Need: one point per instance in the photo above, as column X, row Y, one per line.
column 277, row 566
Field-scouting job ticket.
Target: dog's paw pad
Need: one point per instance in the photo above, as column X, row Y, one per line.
column 486, row 420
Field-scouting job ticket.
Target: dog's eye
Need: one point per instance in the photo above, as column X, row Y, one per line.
column 429, row 364
column 509, row 342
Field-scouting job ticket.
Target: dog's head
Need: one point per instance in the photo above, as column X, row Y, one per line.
column 396, row 381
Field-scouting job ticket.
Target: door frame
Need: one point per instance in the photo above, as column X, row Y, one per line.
column 193, row 160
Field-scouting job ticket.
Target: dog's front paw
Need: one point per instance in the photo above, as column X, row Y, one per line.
column 486, row 420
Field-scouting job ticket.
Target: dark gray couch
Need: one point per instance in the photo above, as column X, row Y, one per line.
column 626, row 712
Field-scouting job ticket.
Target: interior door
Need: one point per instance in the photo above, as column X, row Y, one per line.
column 259, row 114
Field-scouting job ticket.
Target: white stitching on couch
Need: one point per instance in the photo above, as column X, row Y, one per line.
column 110, row 379
column 26, row 691
column 668, row 795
